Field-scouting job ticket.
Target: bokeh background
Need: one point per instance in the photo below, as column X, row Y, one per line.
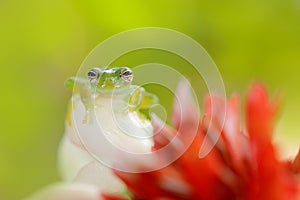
column 44, row 42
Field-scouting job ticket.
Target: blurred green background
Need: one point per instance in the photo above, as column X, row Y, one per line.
column 44, row 42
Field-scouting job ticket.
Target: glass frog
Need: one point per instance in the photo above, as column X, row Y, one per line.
column 109, row 82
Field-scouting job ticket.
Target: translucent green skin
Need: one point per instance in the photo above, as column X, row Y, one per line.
column 110, row 83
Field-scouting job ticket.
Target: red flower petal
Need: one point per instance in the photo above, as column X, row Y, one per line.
column 296, row 164
column 238, row 167
column 112, row 197
column 260, row 114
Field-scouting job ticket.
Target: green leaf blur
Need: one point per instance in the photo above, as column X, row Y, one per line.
column 42, row 43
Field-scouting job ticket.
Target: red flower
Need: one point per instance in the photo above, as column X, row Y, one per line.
column 242, row 165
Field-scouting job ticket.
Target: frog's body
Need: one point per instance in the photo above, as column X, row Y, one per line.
column 110, row 82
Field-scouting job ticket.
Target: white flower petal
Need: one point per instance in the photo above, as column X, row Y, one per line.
column 74, row 191
column 75, row 164
column 101, row 176
column 185, row 109
column 71, row 159
column 122, row 128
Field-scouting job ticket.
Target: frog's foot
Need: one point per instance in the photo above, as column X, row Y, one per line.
column 135, row 98
column 88, row 117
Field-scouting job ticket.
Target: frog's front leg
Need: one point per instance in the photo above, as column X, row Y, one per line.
column 148, row 100
column 142, row 101
column 82, row 88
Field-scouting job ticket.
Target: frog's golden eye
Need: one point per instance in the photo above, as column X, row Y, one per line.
column 93, row 75
column 126, row 75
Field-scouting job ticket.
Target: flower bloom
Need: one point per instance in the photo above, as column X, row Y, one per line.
column 242, row 165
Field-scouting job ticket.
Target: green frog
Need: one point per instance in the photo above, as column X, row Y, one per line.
column 110, row 82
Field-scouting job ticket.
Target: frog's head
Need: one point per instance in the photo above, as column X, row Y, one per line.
column 110, row 78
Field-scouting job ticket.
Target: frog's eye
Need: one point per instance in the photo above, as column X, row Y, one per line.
column 93, row 75
column 126, row 75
